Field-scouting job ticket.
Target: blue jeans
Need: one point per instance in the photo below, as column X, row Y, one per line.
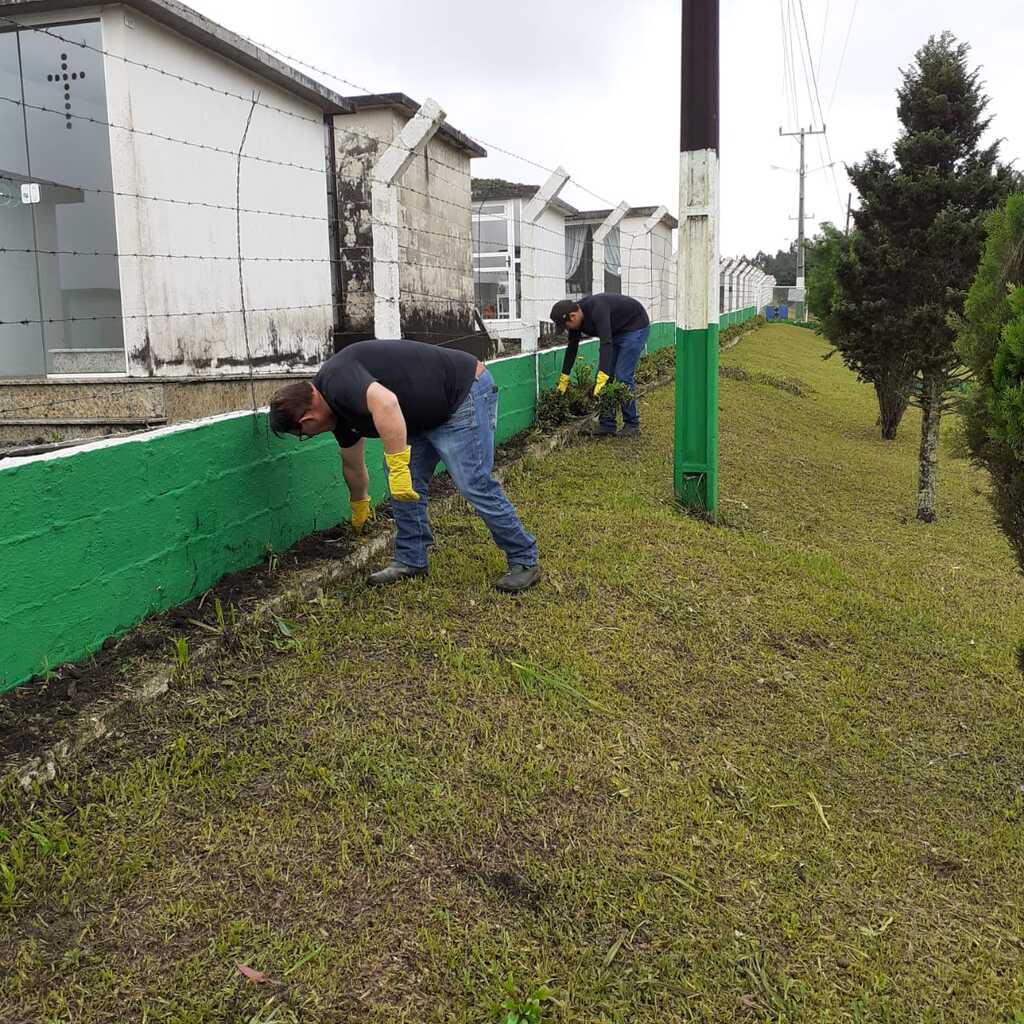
column 465, row 444
column 626, row 352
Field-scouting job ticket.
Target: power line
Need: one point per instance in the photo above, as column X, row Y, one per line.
column 842, row 59
column 824, row 33
column 810, row 58
column 817, row 97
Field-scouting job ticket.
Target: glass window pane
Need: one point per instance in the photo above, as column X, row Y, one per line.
column 492, row 297
column 69, row 155
column 493, row 262
column 21, row 346
column 490, row 235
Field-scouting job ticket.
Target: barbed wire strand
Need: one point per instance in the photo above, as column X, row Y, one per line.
column 238, row 235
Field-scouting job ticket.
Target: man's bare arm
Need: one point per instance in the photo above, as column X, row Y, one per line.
column 387, row 418
column 353, row 468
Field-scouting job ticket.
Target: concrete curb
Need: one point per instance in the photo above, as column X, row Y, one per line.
column 101, row 721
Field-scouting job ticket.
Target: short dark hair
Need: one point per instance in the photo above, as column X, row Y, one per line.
column 289, row 405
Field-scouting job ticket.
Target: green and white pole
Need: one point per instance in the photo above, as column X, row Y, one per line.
column 696, row 449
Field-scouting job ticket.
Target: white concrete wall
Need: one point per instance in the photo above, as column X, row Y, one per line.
column 663, row 264
column 636, row 261
column 549, row 285
column 208, row 345
column 648, row 264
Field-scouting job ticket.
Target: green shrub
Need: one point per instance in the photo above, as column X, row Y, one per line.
column 991, row 344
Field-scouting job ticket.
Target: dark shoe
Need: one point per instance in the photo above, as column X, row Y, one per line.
column 630, row 430
column 518, row 577
column 394, row 572
column 599, row 432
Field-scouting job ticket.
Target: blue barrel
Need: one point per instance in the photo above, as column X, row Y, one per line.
column 782, row 313
column 769, row 312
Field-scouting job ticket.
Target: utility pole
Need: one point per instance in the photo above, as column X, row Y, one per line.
column 696, row 441
column 849, row 205
column 800, row 253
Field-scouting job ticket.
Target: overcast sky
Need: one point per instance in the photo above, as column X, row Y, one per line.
column 594, row 85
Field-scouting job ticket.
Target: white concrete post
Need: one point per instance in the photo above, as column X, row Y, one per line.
column 384, row 182
column 597, row 264
column 530, row 312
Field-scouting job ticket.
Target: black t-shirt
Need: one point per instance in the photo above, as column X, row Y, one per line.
column 606, row 315
column 430, row 383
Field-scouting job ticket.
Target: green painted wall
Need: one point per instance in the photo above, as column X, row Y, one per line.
column 95, row 539
column 737, row 316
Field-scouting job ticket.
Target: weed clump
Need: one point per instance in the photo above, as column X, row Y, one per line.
column 555, row 409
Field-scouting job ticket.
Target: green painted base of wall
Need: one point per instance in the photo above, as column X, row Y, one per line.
column 737, row 316
column 97, row 538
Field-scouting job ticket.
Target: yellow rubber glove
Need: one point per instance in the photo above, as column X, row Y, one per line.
column 563, row 383
column 360, row 514
column 399, row 477
column 602, row 379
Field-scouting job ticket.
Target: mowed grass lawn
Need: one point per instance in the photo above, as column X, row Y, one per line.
column 769, row 770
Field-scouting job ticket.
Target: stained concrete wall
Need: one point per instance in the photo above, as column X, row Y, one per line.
column 211, row 345
column 94, row 539
column 436, row 283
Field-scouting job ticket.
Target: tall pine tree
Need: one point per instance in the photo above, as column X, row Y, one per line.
column 947, row 184
column 918, row 241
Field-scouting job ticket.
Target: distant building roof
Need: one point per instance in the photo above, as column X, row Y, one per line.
column 499, row 188
column 402, row 103
column 201, row 29
column 633, row 211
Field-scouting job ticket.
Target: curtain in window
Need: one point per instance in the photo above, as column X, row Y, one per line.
column 575, row 238
column 613, row 252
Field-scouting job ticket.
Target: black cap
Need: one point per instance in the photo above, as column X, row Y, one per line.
column 560, row 310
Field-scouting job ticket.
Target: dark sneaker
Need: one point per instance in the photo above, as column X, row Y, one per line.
column 599, row 432
column 394, row 572
column 518, row 577
column 630, row 430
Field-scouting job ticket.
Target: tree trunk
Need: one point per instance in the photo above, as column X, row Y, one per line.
column 932, row 391
column 893, row 397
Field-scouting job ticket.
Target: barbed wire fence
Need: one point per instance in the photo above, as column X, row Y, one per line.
column 548, row 241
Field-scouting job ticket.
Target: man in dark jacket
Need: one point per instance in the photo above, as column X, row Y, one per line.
column 427, row 405
column 622, row 324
